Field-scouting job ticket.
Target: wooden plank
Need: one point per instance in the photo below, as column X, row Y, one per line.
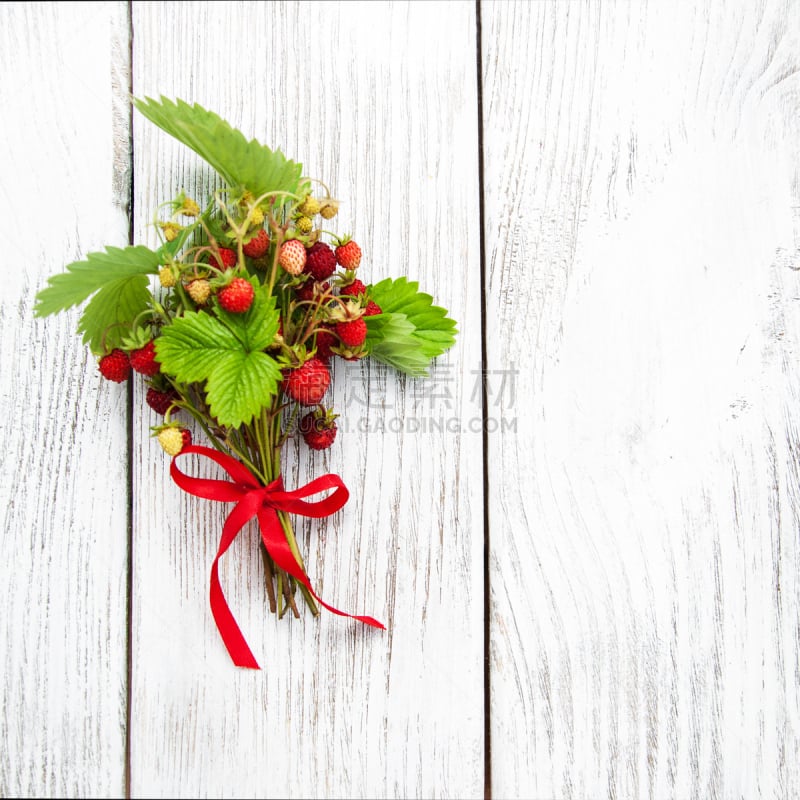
column 373, row 99
column 642, row 200
column 64, row 148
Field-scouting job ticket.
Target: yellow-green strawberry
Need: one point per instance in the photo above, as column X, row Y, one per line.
column 329, row 208
column 166, row 276
column 304, row 224
column 310, row 207
column 173, row 440
column 199, row 290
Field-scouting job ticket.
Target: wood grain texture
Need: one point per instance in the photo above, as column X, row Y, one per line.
column 642, row 199
column 63, row 480
column 373, row 99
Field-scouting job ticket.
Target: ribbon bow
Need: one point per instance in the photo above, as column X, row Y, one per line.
column 263, row 502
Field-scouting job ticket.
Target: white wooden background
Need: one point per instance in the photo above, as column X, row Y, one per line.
column 607, row 197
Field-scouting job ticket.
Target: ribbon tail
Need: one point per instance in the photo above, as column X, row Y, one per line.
column 228, row 628
column 278, row 547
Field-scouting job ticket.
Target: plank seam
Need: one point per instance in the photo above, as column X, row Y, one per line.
column 487, row 732
column 130, row 432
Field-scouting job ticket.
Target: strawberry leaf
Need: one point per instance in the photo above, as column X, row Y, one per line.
column 225, row 351
column 390, row 339
column 83, row 278
column 242, row 164
column 411, row 330
column 240, row 385
column 256, row 328
column 110, row 312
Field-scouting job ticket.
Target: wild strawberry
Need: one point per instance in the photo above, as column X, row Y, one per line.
column 310, row 206
column 308, row 384
column 292, row 256
column 324, row 341
column 320, row 261
column 144, row 361
column 224, row 258
column 237, row 296
column 329, row 208
column 167, row 277
column 304, row 224
column 318, row 429
column 353, row 289
column 199, row 290
column 348, row 254
column 115, row 366
column 173, row 440
column 352, row 333
column 257, row 246
column 353, row 354
column 311, row 289
column 372, row 309
column 161, row 401
column 189, row 208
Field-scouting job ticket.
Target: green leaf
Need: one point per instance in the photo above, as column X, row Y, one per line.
column 242, row 164
column 83, row 278
column 411, row 330
column 111, row 311
column 225, row 351
column 390, row 339
column 190, row 346
column 241, row 385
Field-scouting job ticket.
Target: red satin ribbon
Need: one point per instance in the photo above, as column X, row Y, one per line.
column 263, row 502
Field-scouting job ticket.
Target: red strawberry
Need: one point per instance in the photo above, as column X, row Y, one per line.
column 310, row 289
column 319, row 431
column 372, row 309
column 292, row 256
column 308, row 384
column 353, row 289
column 325, row 340
column 320, row 261
column 224, row 259
column 348, row 254
column 115, row 366
column 160, row 401
column 237, row 296
column 352, row 333
column 257, row 246
column 187, row 436
column 144, row 360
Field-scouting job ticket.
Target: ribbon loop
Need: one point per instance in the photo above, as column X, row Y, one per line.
column 262, row 502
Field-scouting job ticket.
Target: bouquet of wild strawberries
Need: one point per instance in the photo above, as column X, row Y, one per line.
column 250, row 305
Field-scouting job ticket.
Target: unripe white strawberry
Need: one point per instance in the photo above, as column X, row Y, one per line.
column 292, row 256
